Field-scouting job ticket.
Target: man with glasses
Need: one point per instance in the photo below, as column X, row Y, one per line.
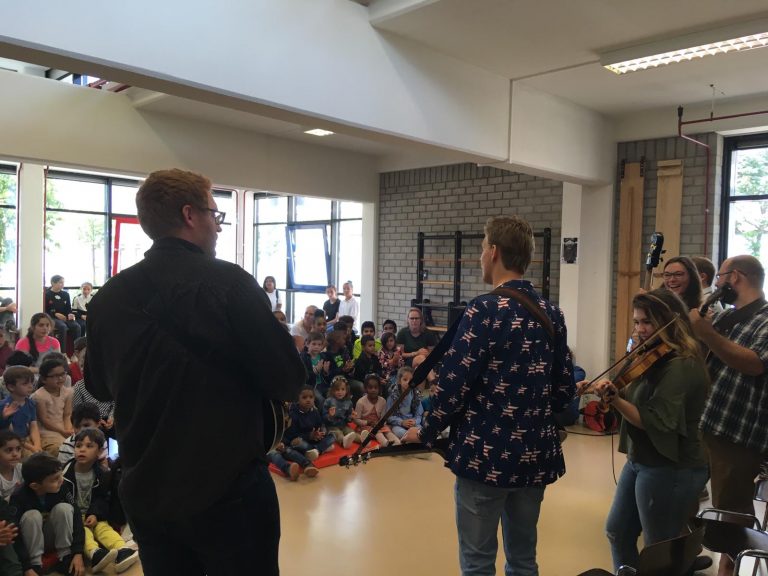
column 734, row 420
column 189, row 349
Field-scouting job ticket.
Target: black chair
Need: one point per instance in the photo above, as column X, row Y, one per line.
column 673, row 557
column 732, row 533
column 761, row 495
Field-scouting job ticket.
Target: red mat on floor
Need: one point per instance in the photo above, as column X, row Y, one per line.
column 331, row 458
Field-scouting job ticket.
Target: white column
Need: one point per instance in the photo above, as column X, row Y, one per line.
column 31, row 241
column 370, row 256
column 569, row 273
column 585, row 287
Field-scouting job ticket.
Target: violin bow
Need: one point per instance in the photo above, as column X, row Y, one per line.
column 626, row 358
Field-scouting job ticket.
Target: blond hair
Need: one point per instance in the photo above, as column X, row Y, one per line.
column 162, row 196
column 513, row 237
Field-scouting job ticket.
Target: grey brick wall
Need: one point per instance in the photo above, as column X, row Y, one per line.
column 692, row 215
column 449, row 198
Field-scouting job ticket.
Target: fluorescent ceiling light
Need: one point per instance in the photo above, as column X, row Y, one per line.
column 734, row 38
column 318, row 132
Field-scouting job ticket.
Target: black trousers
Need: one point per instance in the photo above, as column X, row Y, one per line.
column 238, row 535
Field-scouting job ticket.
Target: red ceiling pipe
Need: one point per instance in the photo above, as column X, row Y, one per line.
column 711, row 118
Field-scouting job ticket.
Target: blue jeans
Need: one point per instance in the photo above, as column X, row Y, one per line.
column 654, row 500
column 284, row 459
column 321, row 446
column 238, row 533
column 64, row 326
column 478, row 510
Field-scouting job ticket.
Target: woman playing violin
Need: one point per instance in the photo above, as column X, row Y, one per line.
column 666, row 469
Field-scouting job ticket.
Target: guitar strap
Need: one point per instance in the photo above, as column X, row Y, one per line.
column 422, row 370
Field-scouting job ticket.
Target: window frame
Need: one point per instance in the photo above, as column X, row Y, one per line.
column 13, row 170
column 334, row 222
column 730, row 147
column 109, row 216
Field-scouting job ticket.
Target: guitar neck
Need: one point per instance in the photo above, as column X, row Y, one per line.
column 439, row 446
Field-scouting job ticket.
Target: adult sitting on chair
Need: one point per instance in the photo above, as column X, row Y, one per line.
column 59, row 306
column 415, row 340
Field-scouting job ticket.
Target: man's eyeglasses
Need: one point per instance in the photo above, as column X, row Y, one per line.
column 675, row 275
column 218, row 215
column 717, row 276
column 61, row 376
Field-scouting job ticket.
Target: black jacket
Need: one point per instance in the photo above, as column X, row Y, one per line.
column 99, row 506
column 188, row 348
column 57, row 302
column 24, row 499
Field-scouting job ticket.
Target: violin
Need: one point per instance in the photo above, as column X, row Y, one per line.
column 641, row 364
column 636, row 362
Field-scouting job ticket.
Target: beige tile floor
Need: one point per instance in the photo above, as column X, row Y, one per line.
column 394, row 516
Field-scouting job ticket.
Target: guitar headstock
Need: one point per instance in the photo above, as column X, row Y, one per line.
column 353, row 460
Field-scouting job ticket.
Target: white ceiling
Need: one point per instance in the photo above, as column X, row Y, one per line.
column 555, row 46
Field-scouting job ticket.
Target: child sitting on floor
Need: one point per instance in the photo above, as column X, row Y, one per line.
column 290, row 461
column 306, row 433
column 316, row 365
column 338, row 413
column 410, row 412
column 85, row 480
column 18, row 411
column 368, row 362
column 390, row 359
column 370, row 408
column 83, row 416
column 54, row 405
column 10, row 464
column 45, row 515
column 368, row 329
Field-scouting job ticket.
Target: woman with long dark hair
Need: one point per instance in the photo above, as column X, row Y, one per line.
column 666, row 468
column 270, row 287
column 682, row 277
column 38, row 342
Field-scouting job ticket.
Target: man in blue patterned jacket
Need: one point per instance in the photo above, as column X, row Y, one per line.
column 503, row 377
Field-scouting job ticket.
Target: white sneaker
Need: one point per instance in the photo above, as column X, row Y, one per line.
column 312, row 454
column 346, row 442
column 363, row 435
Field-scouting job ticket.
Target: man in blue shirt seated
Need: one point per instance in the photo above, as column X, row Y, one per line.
column 507, row 371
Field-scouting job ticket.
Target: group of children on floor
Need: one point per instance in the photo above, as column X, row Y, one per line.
column 57, row 485
column 351, row 383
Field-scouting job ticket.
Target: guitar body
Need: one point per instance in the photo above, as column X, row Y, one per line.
column 275, row 418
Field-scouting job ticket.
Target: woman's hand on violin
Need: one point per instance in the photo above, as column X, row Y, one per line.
column 581, row 387
column 606, row 390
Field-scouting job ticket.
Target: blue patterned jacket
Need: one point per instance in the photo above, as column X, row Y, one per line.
column 499, row 385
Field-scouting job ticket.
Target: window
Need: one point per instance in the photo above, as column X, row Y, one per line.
column 91, row 230
column 226, row 245
column 306, row 243
column 745, row 206
column 8, row 183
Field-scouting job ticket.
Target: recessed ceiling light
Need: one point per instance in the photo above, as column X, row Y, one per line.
column 732, row 38
column 318, row 132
